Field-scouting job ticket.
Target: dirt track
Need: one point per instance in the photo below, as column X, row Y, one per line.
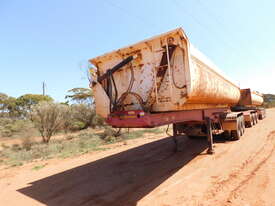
column 146, row 172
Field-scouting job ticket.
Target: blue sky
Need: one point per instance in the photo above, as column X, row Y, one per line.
column 52, row 40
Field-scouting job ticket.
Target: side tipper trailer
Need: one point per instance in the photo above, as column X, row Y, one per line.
column 165, row 80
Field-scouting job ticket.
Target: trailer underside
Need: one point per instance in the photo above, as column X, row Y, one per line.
column 141, row 119
column 203, row 122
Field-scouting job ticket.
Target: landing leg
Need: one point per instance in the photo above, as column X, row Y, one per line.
column 175, row 134
column 210, row 149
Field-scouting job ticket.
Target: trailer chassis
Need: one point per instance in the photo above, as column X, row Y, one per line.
column 209, row 122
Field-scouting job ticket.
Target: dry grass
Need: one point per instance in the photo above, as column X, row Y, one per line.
column 72, row 145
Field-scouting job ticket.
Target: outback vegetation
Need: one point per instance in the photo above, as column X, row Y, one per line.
column 269, row 100
column 47, row 129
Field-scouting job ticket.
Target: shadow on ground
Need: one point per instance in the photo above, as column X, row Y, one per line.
column 120, row 179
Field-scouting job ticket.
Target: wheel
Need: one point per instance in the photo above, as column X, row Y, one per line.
column 252, row 119
column 242, row 124
column 226, row 134
column 236, row 134
column 256, row 118
column 248, row 124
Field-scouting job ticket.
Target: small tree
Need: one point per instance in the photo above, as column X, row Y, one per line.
column 81, row 96
column 48, row 118
column 8, row 107
column 25, row 102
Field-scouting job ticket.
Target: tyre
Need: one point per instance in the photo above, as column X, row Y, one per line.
column 226, row 134
column 253, row 119
column 240, row 127
column 256, row 118
column 242, row 124
column 248, row 124
column 236, row 134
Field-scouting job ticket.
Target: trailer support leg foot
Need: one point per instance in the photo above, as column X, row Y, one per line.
column 209, row 136
column 210, row 151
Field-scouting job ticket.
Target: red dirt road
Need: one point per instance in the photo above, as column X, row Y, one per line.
column 146, row 172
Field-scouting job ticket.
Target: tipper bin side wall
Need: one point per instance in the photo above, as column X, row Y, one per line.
column 209, row 87
column 257, row 99
column 250, row 98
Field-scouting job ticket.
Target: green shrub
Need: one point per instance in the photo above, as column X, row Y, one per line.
column 15, row 147
column 14, row 127
column 98, row 121
column 6, row 132
column 111, row 135
column 3, row 145
column 85, row 114
column 82, row 116
column 269, row 100
column 27, row 143
column 48, row 118
column 140, row 133
column 84, row 142
column 69, row 137
column 38, row 167
column 29, row 151
column 77, row 125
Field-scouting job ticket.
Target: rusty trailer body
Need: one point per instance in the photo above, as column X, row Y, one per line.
column 169, row 75
column 165, row 80
column 250, row 98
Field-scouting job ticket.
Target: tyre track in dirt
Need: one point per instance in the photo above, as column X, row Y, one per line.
column 253, row 173
column 226, row 191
